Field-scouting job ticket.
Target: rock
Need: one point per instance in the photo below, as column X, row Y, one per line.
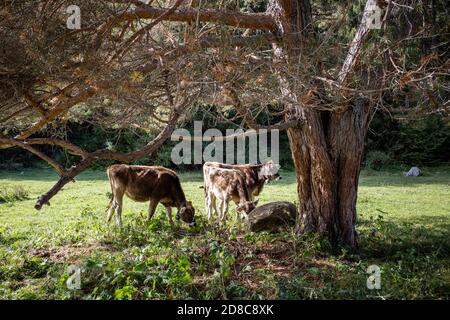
column 272, row 216
column 413, row 172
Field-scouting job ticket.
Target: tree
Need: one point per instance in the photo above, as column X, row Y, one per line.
column 130, row 53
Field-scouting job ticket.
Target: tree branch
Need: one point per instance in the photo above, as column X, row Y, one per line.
column 106, row 154
column 250, row 120
column 62, row 107
column 73, row 149
column 230, row 18
column 355, row 46
column 59, row 168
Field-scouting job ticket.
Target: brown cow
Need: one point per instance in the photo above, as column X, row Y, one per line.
column 148, row 183
column 256, row 175
column 224, row 185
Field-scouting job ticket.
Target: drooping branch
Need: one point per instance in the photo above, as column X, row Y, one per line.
column 74, row 149
column 63, row 102
column 59, row 168
column 106, row 154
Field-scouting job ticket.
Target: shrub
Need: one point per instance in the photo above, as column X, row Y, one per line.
column 376, row 160
column 422, row 141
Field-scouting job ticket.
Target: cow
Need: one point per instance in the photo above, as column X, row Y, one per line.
column 148, row 183
column 256, row 175
column 225, row 185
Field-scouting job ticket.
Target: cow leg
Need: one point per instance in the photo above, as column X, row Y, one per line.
column 118, row 210
column 224, row 210
column 169, row 214
column 211, row 205
column 117, row 199
column 208, row 206
column 214, row 205
column 217, row 206
column 151, row 209
column 111, row 210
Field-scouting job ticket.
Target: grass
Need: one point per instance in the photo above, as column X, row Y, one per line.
column 11, row 194
column 403, row 224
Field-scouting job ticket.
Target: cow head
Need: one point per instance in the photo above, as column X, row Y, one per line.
column 186, row 214
column 247, row 207
column 269, row 171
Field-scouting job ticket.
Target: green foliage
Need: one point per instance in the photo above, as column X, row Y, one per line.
column 136, row 276
column 376, row 160
column 220, row 256
column 425, row 141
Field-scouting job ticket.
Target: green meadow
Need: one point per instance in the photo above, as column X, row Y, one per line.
column 403, row 226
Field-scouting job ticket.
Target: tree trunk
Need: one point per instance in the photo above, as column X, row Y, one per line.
column 327, row 170
column 327, row 149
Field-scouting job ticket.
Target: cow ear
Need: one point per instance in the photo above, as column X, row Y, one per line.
column 256, row 202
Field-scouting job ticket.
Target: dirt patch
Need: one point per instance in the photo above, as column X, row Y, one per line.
column 70, row 253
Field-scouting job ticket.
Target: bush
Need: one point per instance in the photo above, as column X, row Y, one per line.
column 376, row 160
column 423, row 141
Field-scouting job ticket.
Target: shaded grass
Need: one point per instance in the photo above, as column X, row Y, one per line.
column 404, row 227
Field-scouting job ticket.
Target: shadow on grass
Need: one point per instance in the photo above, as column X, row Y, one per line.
column 417, row 236
column 8, row 239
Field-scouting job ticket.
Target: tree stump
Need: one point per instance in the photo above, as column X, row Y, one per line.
column 272, row 217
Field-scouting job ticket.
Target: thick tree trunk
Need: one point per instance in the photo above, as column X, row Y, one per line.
column 327, row 149
column 327, row 170
column 347, row 134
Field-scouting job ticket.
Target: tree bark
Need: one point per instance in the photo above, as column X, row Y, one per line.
column 327, row 159
column 327, row 149
column 230, row 18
